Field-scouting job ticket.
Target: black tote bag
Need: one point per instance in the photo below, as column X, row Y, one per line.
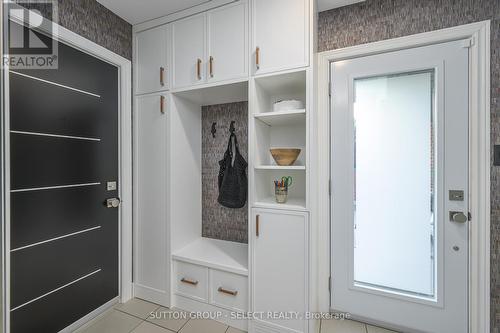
column 233, row 183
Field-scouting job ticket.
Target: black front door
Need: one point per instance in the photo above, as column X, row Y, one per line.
column 63, row 152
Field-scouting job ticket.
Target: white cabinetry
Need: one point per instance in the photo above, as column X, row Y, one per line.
column 280, row 35
column 212, row 275
column 211, row 47
column 151, row 51
column 151, row 273
column 228, row 42
column 229, row 291
column 210, row 59
column 189, row 51
column 191, row 281
column 280, row 268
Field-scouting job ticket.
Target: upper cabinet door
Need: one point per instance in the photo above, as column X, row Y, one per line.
column 228, row 42
column 280, row 35
column 189, row 51
column 152, row 73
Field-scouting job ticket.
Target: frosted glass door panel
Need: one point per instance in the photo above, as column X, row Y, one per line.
column 393, row 194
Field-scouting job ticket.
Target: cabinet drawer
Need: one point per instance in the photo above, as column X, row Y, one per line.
column 228, row 290
column 191, row 281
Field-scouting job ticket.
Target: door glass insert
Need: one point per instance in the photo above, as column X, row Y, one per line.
column 394, row 186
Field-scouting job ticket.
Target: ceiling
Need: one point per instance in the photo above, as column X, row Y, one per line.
column 330, row 4
column 138, row 11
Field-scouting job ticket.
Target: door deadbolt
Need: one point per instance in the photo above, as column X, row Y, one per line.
column 112, row 202
column 458, row 217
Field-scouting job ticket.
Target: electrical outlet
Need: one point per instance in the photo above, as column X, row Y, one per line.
column 496, row 155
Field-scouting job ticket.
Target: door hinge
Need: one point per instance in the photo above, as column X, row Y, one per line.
column 330, row 284
column 468, row 43
column 330, row 88
column 330, row 187
column 469, row 216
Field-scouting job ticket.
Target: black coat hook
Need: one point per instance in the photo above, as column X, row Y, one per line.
column 231, row 127
column 214, row 129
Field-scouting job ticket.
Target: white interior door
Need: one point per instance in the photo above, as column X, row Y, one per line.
column 400, row 188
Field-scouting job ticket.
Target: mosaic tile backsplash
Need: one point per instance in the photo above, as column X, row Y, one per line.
column 91, row 20
column 376, row 20
column 217, row 221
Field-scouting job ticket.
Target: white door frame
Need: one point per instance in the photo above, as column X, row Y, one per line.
column 125, row 158
column 479, row 139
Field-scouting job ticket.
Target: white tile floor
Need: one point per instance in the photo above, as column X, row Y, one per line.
column 134, row 317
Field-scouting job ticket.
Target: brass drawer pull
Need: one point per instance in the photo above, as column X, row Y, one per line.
column 198, row 69
column 191, row 282
column 162, row 73
column 162, row 104
column 228, row 292
column 257, row 225
column 257, row 57
column 211, row 66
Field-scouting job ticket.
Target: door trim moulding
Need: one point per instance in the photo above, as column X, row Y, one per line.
column 125, row 156
column 479, row 164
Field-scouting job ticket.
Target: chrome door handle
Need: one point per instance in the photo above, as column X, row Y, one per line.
column 112, row 202
column 458, row 217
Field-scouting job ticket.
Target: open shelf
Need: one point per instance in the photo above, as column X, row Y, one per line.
column 280, row 167
column 279, row 136
column 271, row 89
column 218, row 254
column 279, row 129
column 264, row 188
column 291, row 204
column 282, row 118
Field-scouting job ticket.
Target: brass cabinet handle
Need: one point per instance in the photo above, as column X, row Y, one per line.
column 198, row 69
column 191, row 282
column 257, row 57
column 228, row 292
column 162, row 73
column 162, row 104
column 211, row 66
column 257, row 225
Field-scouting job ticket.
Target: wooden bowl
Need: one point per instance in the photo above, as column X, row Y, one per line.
column 285, row 156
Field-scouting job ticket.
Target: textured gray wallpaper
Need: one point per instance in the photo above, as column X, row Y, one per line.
column 90, row 19
column 217, row 221
column 376, row 20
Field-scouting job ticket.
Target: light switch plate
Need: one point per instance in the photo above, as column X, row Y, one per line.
column 496, row 155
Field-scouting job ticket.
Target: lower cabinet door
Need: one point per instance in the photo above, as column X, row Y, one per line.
column 191, row 281
column 228, row 290
column 280, row 265
column 151, row 273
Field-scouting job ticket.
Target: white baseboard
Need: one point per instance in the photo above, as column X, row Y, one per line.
column 152, row 295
